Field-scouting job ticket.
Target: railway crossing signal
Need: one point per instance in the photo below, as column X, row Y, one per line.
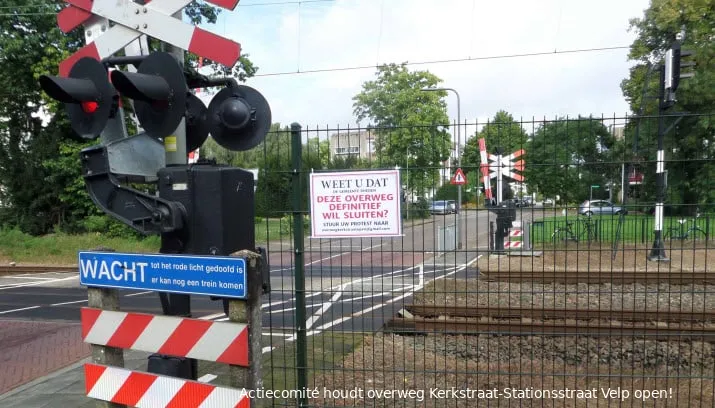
column 500, row 166
column 202, row 208
column 87, row 94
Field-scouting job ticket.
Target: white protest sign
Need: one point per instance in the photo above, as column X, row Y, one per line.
column 355, row 204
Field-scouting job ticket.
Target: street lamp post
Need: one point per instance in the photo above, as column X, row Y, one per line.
column 459, row 159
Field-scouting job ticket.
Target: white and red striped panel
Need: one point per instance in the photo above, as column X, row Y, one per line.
column 515, row 232
column 223, row 342
column 512, row 244
column 138, row 389
column 194, row 156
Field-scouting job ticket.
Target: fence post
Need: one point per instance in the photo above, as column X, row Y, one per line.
column 299, row 256
column 105, row 299
column 248, row 312
column 491, row 235
column 707, row 230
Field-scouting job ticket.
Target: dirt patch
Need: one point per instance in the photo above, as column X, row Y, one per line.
column 440, row 371
column 684, row 257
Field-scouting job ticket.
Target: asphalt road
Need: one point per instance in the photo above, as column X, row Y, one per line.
column 351, row 284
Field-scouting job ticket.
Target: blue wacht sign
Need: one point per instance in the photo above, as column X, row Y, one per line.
column 188, row 274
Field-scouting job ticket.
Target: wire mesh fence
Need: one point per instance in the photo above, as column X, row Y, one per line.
column 570, row 313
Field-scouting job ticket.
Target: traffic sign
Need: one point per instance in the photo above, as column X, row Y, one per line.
column 153, row 19
column 459, row 178
column 191, row 275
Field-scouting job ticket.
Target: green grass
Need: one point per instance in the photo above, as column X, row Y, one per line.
column 61, row 249
column 636, row 228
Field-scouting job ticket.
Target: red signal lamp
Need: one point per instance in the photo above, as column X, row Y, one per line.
column 90, row 106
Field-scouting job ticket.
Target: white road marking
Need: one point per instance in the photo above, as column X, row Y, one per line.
column 317, row 315
column 292, row 308
column 280, row 302
column 377, row 294
column 69, row 303
column 19, row 310
column 138, row 293
column 276, row 334
column 22, row 285
column 207, row 378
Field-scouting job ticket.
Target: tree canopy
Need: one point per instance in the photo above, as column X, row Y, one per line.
column 410, row 124
column 689, row 146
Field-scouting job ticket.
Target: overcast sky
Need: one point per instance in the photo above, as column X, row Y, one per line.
column 284, row 36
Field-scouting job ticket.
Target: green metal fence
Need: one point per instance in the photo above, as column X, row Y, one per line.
column 396, row 322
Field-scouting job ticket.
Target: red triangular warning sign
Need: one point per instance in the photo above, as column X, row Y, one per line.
column 458, row 177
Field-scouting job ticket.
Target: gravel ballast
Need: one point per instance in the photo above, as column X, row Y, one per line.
column 634, row 296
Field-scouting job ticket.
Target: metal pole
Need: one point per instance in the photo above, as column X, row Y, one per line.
column 298, row 246
column 459, row 158
column 657, row 252
column 459, row 165
column 409, row 198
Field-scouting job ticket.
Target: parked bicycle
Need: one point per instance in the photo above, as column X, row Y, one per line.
column 680, row 232
column 566, row 233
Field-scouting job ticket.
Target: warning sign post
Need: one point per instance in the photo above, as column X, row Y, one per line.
column 355, row 204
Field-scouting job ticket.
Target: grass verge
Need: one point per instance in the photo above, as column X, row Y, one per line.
column 61, row 248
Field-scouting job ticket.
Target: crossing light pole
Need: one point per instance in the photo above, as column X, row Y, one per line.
column 459, row 159
column 670, row 75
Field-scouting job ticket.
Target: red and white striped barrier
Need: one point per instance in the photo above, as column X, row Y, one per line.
column 138, row 389
column 223, row 342
column 515, row 233
column 512, row 244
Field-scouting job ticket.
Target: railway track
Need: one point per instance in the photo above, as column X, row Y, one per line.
column 466, row 320
column 680, row 278
column 18, row 270
column 427, row 311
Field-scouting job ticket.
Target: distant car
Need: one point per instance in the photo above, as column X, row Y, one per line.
column 600, row 207
column 442, row 207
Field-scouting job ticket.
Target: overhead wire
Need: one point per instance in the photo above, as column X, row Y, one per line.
column 446, row 61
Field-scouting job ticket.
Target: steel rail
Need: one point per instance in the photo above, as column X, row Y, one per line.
column 419, row 325
column 599, row 277
column 27, row 269
column 561, row 313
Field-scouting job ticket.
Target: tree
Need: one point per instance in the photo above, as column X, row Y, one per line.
column 39, row 170
column 691, row 166
column 409, row 124
column 566, row 156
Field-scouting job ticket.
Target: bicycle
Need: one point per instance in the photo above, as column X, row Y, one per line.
column 567, row 233
column 678, row 232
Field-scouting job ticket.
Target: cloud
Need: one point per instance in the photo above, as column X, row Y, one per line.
column 346, row 33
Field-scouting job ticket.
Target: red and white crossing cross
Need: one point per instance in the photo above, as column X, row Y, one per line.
column 484, row 167
column 506, row 165
column 459, row 178
column 153, row 19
